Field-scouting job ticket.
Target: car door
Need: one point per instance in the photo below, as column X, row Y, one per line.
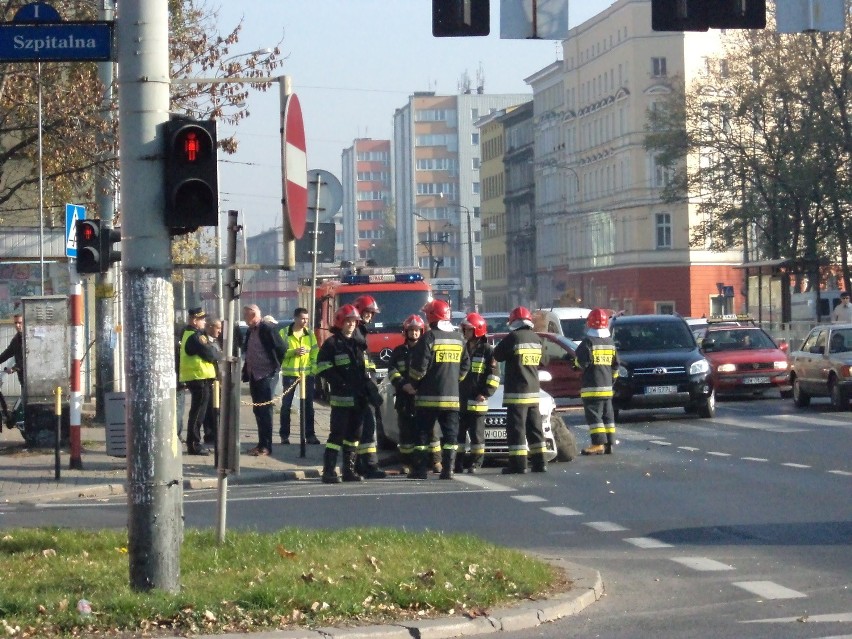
column 810, row 365
column 558, row 360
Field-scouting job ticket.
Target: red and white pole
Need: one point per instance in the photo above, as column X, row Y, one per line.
column 78, row 344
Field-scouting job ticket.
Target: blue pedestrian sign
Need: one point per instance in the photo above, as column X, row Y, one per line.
column 73, row 212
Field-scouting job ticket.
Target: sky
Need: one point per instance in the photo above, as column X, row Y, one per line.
column 353, row 63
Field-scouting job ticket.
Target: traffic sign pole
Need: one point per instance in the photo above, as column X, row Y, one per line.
column 288, row 256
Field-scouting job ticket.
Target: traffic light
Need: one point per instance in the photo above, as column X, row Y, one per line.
column 700, row 15
column 192, row 186
column 88, row 234
column 454, row 18
column 110, row 253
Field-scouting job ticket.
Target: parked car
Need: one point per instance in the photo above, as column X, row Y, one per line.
column 558, row 355
column 822, row 366
column 561, row 444
column 661, row 366
column 563, row 320
column 498, row 322
column 744, row 360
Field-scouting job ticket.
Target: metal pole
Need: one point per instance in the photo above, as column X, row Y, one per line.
column 470, row 264
column 40, row 186
column 220, row 302
column 314, row 249
column 57, row 440
column 154, row 468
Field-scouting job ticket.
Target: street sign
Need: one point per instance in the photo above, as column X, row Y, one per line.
column 325, row 244
column 73, row 212
column 295, row 167
column 55, row 42
column 801, row 16
column 325, row 195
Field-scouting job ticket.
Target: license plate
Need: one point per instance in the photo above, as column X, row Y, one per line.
column 755, row 380
column 660, row 390
column 495, row 433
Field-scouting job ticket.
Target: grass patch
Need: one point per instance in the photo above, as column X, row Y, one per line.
column 256, row 581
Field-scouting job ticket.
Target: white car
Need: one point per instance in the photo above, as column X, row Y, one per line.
column 561, row 444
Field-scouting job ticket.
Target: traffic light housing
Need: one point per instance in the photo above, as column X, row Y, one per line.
column 110, row 253
column 700, row 15
column 459, row 18
column 88, row 234
column 191, row 179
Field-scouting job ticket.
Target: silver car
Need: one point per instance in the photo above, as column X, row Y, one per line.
column 822, row 366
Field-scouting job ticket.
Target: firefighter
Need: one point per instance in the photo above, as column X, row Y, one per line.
column 368, row 458
column 597, row 357
column 439, row 362
column 479, row 384
column 398, row 375
column 521, row 350
column 342, row 361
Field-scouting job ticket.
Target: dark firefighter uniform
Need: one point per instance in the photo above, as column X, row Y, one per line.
column 482, row 380
column 439, row 362
column 197, row 370
column 403, row 403
column 343, row 363
column 598, row 359
column 521, row 351
column 368, row 456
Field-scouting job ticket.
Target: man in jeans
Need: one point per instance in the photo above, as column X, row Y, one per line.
column 264, row 352
column 300, row 359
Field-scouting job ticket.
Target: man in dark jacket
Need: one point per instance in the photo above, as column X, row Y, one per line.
column 368, row 456
column 264, row 351
column 14, row 350
column 597, row 357
column 198, row 359
column 399, row 368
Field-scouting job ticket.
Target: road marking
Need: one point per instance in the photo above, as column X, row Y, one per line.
column 755, row 459
column 816, row 421
column 718, row 454
column 528, row 498
column 484, row 483
column 691, row 449
column 701, row 563
column 769, row 590
column 838, row 617
column 561, row 511
column 605, row 526
column 792, row 465
column 840, row 472
column 647, row 542
column 773, row 428
column 660, row 442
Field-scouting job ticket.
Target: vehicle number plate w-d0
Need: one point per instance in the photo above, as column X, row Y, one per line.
column 755, row 380
column 660, row 390
column 495, row 433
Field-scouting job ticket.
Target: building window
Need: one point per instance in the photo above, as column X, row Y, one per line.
column 475, row 163
column 664, row 230
column 474, row 138
column 658, row 67
column 475, row 190
column 664, row 308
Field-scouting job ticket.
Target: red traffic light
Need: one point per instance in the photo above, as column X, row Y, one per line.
column 87, row 233
column 192, row 144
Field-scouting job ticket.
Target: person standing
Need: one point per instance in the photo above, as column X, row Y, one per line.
column 521, row 350
column 597, row 357
column 264, row 351
column 842, row 313
column 342, row 362
column 368, row 456
column 300, row 359
column 14, row 350
column 398, row 375
column 439, row 362
column 197, row 370
column 213, row 330
column 479, row 384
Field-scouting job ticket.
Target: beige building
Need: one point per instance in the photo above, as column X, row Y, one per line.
column 495, row 284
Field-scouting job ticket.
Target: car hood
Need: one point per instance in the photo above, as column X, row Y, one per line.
column 546, row 403
column 747, row 356
column 676, row 357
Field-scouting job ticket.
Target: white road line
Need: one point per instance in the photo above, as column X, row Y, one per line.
column 792, row 465
column 561, row 511
column 718, row 454
column 484, row 483
column 701, row 563
column 769, row 590
column 739, row 423
column 647, row 542
column 660, row 442
column 812, row 420
column 755, row 459
column 528, row 498
column 839, row 617
column 691, row 449
column 605, row 526
column 840, row 472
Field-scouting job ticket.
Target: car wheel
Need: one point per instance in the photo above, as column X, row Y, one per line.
column 707, row 407
column 839, row 400
column 566, row 443
column 786, row 394
column 800, row 397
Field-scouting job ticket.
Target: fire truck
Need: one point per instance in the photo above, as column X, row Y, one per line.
column 398, row 291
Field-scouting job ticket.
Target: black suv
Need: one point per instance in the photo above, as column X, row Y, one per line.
column 660, row 365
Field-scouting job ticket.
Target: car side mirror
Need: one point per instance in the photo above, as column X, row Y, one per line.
column 707, row 344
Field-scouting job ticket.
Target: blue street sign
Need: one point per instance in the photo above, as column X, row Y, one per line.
column 73, row 212
column 55, row 42
column 37, row 12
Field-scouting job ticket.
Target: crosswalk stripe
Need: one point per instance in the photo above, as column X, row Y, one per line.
column 484, row 483
column 561, row 511
column 840, row 472
column 647, row 542
column 758, row 424
column 528, row 498
column 838, row 617
column 701, row 563
column 605, row 526
column 769, row 590
column 792, row 465
column 755, row 459
column 813, row 420
column 718, row 454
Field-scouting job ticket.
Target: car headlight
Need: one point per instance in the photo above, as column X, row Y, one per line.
column 701, row 366
column 726, row 368
column 623, row 373
column 780, row 366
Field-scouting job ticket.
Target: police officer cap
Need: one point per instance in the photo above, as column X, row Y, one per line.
column 197, row 313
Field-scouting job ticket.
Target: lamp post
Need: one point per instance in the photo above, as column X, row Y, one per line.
column 434, row 262
column 472, row 279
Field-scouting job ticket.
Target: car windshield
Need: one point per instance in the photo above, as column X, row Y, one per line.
column 739, row 339
column 574, row 329
column 840, row 341
column 497, row 323
column 652, row 336
column 394, row 306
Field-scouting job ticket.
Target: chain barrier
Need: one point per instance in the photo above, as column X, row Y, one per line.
column 273, row 400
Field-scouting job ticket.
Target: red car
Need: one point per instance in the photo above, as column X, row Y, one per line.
column 558, row 355
column 744, row 360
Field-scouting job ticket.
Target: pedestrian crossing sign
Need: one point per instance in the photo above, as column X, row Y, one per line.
column 73, row 212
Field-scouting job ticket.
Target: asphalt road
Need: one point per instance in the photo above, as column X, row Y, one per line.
column 737, row 526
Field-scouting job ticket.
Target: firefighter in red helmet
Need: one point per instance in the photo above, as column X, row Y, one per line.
column 398, row 375
column 521, row 350
column 597, row 357
column 368, row 456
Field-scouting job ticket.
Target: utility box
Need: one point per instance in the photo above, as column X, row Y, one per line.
column 46, row 368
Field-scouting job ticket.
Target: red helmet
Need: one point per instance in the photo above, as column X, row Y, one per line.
column 366, row 303
column 520, row 313
column 436, row 311
column 598, row 318
column 477, row 323
column 345, row 312
column 414, row 321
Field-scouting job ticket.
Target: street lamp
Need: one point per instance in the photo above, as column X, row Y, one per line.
column 472, row 299
column 434, row 262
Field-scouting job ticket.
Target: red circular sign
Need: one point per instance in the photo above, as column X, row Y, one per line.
column 295, row 159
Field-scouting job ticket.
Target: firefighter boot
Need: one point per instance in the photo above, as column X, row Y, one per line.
column 475, row 464
column 329, row 467
column 448, row 459
column 517, row 465
column 372, row 471
column 538, row 463
column 419, row 462
column 349, row 459
column 458, row 465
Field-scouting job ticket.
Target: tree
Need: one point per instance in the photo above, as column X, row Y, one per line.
column 385, row 251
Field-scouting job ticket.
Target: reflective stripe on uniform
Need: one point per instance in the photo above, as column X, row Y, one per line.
column 520, row 398
column 342, row 401
column 436, row 402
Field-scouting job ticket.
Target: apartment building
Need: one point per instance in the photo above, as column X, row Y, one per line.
column 494, row 284
column 366, row 179
column 604, row 237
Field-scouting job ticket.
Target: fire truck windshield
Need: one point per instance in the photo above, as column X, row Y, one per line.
column 395, row 306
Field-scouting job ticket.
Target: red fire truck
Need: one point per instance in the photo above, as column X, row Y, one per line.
column 399, row 292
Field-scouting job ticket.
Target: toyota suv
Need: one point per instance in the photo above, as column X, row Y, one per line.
column 660, row 366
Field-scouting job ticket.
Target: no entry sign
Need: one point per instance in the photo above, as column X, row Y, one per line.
column 295, row 161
